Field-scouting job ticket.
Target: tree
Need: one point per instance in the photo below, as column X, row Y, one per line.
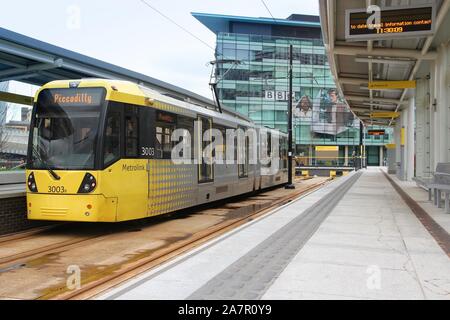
column 3, row 132
column 3, row 112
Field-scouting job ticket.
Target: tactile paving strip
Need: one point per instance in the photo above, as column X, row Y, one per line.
column 251, row 276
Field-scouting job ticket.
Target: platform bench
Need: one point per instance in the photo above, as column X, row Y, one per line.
column 437, row 185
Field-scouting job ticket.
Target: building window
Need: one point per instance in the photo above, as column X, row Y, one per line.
column 318, row 59
column 305, row 58
column 281, row 53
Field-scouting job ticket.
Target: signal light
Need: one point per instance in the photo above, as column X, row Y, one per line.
column 88, row 184
column 31, row 182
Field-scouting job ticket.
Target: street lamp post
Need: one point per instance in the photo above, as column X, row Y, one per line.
column 361, row 145
column 290, row 185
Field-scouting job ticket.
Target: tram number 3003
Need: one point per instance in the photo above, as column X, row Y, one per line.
column 56, row 189
column 147, row 151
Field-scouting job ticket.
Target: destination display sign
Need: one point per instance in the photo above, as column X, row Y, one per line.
column 165, row 117
column 362, row 24
column 73, row 97
column 379, row 132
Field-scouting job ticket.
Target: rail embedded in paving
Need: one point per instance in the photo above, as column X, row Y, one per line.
column 6, row 262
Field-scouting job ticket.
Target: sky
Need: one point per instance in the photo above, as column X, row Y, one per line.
column 130, row 34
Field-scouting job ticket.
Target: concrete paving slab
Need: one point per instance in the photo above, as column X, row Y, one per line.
column 358, row 229
column 369, row 282
column 303, row 295
column 355, row 255
column 375, row 249
column 359, row 240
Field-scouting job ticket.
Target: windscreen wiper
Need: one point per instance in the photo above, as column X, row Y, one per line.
column 79, row 141
column 47, row 167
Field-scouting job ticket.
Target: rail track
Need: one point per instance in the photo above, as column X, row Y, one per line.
column 94, row 233
column 26, row 234
column 21, row 257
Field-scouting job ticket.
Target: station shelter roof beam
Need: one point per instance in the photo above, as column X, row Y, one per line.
column 36, row 62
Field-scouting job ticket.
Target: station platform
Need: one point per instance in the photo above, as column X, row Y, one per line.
column 355, row 238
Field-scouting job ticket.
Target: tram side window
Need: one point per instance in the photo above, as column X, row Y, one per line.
column 244, row 157
column 223, row 147
column 187, row 124
column 165, row 125
column 112, row 138
column 163, row 145
column 206, row 173
column 147, row 134
column 283, row 153
column 131, row 132
column 268, row 145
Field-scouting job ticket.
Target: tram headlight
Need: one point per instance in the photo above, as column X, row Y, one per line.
column 88, row 184
column 31, row 182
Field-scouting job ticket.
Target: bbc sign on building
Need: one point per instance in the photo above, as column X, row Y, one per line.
column 277, row 95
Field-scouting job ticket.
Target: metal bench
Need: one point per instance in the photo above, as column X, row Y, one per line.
column 440, row 183
column 425, row 183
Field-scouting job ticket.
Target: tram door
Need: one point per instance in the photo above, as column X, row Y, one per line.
column 205, row 155
column 150, row 150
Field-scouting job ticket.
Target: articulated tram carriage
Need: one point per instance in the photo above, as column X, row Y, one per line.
column 100, row 151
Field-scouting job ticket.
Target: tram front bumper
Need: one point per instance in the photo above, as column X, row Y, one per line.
column 65, row 207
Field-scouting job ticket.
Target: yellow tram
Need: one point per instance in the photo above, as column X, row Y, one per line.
column 100, row 151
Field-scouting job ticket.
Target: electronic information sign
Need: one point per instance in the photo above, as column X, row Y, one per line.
column 390, row 22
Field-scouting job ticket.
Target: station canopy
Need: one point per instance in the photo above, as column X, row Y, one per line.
column 35, row 62
column 375, row 68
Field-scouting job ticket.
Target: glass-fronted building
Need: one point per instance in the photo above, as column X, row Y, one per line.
column 252, row 68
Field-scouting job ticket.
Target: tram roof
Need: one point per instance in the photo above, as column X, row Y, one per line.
column 127, row 91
